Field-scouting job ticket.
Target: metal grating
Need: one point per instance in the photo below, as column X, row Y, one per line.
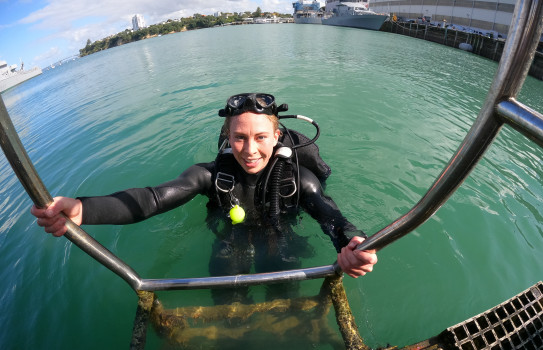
column 514, row 324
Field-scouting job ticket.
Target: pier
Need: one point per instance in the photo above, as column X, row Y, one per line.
column 480, row 44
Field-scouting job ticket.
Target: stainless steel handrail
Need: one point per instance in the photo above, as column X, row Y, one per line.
column 500, row 107
column 238, row 280
column 517, row 57
column 29, row 178
column 31, row 181
column 524, row 119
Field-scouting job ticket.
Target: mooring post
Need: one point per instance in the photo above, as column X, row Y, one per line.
column 344, row 316
column 143, row 313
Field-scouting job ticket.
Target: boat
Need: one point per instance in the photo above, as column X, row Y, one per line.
column 10, row 76
column 354, row 13
column 307, row 12
column 465, row 47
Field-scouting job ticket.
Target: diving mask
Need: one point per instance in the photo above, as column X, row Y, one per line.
column 251, row 102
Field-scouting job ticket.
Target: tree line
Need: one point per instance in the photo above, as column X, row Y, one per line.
column 170, row 26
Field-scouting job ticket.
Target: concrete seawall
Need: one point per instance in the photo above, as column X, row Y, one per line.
column 481, row 45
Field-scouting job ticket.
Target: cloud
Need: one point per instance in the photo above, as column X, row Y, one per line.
column 64, row 12
column 277, row 6
column 4, row 26
column 95, row 19
column 69, row 23
column 49, row 55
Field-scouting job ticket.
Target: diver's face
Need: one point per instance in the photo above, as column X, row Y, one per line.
column 252, row 137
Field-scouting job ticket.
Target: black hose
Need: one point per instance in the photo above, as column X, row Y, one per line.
column 296, row 162
column 276, row 174
column 318, row 133
column 265, row 186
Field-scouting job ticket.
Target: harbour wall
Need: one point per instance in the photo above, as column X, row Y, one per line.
column 482, row 45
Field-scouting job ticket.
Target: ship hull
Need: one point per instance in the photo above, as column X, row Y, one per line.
column 308, row 20
column 366, row 21
column 18, row 78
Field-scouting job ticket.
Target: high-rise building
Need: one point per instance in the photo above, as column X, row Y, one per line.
column 138, row 22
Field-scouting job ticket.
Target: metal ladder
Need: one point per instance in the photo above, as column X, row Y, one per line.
column 500, row 107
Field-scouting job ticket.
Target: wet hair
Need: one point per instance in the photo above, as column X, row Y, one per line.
column 228, row 121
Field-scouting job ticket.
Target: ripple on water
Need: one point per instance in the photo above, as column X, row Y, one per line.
column 392, row 111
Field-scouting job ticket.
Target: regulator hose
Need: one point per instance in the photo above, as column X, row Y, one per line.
column 284, row 154
column 276, row 173
column 309, row 120
column 274, row 176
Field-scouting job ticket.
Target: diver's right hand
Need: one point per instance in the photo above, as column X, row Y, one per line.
column 50, row 218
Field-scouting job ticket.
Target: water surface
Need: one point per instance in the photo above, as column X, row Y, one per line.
column 392, row 110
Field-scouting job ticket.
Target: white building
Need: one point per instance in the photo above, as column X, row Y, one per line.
column 263, row 20
column 493, row 16
column 138, row 22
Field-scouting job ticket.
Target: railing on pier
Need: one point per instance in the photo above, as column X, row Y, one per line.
column 499, row 108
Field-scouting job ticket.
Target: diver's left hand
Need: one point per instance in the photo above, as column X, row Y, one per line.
column 355, row 262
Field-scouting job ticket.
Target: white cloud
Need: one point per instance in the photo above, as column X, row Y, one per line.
column 74, row 21
column 49, row 55
column 63, row 12
column 277, row 5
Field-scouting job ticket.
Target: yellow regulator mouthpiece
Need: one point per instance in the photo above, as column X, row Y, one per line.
column 237, row 214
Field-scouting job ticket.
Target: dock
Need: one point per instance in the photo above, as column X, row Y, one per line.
column 479, row 43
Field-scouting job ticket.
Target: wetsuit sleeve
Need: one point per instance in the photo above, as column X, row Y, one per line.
column 323, row 209
column 137, row 204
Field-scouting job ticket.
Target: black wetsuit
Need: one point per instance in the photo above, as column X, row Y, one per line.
column 270, row 247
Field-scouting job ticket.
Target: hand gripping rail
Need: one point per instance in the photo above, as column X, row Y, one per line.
column 499, row 108
column 29, row 178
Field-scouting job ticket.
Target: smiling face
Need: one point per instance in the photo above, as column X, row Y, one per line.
column 252, row 137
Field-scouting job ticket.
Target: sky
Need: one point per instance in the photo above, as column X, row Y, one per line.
column 42, row 32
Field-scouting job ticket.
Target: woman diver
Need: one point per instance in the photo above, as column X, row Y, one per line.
column 247, row 181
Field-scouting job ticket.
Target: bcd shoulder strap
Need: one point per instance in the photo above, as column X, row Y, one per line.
column 308, row 156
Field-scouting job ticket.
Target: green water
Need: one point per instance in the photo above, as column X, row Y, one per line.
column 392, row 111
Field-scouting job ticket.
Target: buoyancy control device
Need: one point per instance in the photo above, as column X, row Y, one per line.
column 280, row 182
